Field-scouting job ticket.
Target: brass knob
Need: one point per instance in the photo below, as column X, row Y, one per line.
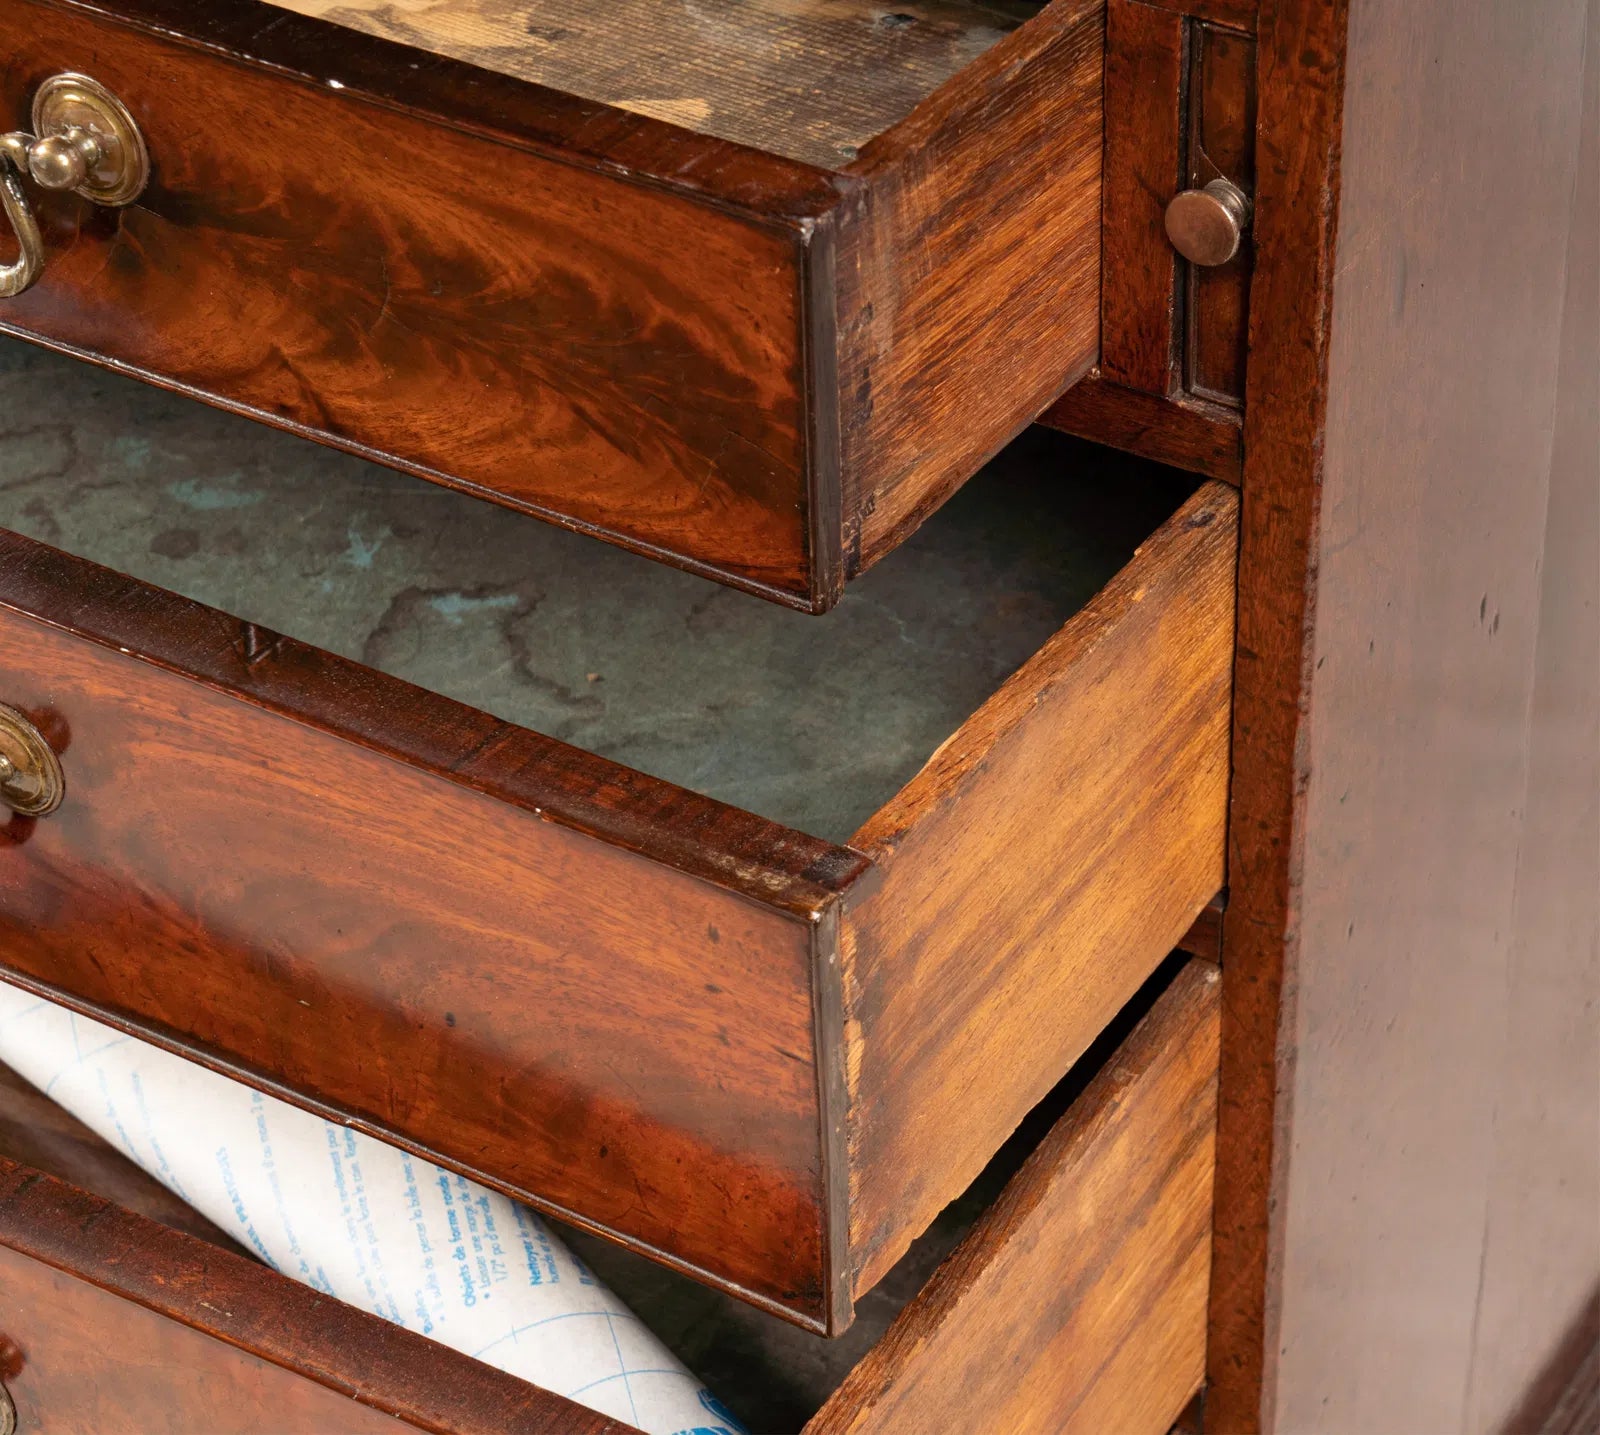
column 8, row 1413
column 1207, row 225
column 63, row 161
column 84, row 140
column 31, row 781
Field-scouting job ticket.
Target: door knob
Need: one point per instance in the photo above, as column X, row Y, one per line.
column 1207, row 225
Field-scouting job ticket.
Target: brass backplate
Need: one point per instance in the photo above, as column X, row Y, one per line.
column 75, row 102
column 31, row 781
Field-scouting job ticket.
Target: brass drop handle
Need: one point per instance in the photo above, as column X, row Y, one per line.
column 31, row 781
column 84, row 140
column 1207, row 225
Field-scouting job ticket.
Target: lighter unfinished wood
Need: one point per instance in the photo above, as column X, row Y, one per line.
column 810, row 79
column 1078, row 1304
column 1033, row 874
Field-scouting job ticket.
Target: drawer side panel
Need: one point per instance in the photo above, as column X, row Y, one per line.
column 1039, row 868
column 969, row 275
column 590, row 348
column 1078, row 1305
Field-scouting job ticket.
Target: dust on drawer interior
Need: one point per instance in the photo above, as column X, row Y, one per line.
column 774, row 1375
column 812, row 80
column 811, row 722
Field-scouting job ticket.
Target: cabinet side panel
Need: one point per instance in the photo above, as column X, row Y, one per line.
column 1426, row 720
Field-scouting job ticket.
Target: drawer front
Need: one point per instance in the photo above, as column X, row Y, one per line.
column 763, row 1057
column 113, row 1324
column 425, row 921
column 740, row 364
column 467, row 308
column 1075, row 1306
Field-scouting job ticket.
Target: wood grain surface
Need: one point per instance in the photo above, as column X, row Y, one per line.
column 576, row 983
column 1180, row 90
column 1443, row 905
column 522, row 327
column 1220, row 144
column 1032, row 876
column 1300, row 101
column 1204, row 937
column 1202, row 438
column 1077, row 1306
column 727, row 359
column 1399, row 1227
column 515, row 957
column 810, row 79
column 1239, row 14
column 968, row 287
column 1547, row 1093
column 1145, row 84
column 115, row 1324
column 1076, row 1302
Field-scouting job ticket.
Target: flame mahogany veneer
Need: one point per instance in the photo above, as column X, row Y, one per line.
column 744, row 364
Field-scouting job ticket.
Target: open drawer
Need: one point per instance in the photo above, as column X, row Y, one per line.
column 749, row 286
column 976, row 806
column 1075, row 1305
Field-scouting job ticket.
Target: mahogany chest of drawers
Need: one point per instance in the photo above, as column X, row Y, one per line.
column 745, row 940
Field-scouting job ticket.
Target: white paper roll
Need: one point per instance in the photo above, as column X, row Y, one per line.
column 361, row 1221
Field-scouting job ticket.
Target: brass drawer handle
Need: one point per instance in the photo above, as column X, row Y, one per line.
column 31, row 781
column 84, row 140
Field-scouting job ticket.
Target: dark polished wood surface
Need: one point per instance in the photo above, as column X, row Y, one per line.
column 1300, row 101
column 525, row 327
column 1180, row 84
column 741, row 364
column 116, row 1324
column 1220, row 142
column 1186, row 433
column 382, row 900
column 1372, row 1185
column 1145, row 85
